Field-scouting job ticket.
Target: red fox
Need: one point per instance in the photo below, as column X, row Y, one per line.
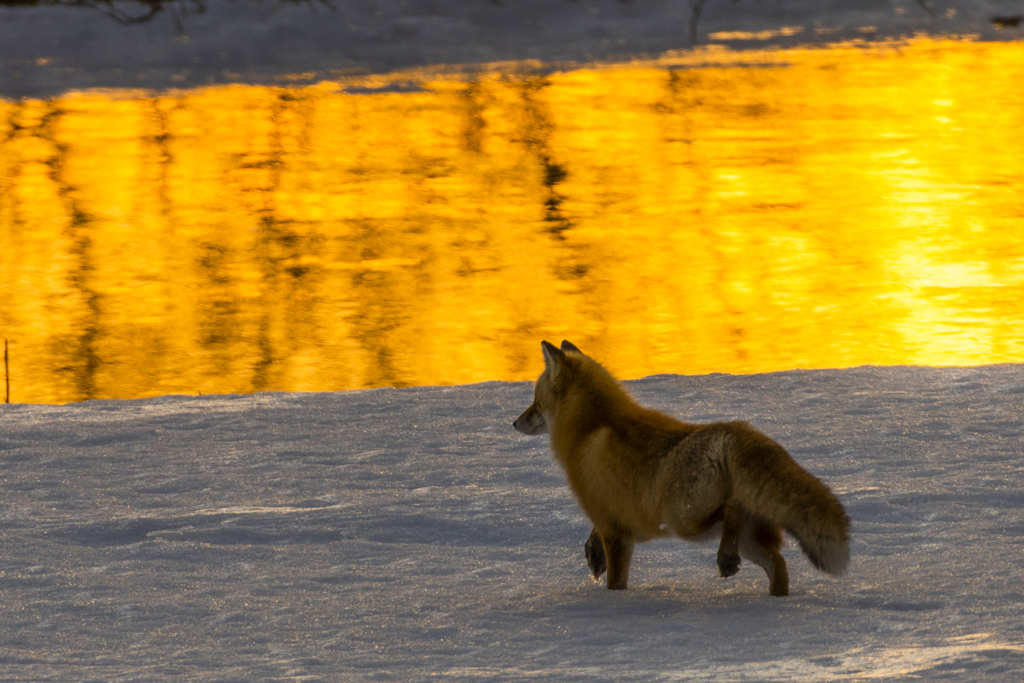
column 639, row 474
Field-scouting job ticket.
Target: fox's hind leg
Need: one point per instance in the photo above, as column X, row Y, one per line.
column 760, row 543
column 732, row 530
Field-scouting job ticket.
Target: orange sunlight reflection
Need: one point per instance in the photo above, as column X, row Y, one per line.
column 756, row 212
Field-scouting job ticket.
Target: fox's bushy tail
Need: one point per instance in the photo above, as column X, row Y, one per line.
column 768, row 482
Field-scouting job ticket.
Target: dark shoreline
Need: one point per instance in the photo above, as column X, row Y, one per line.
column 51, row 47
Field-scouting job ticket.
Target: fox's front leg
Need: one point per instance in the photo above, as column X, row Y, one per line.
column 618, row 552
column 729, row 548
column 594, row 551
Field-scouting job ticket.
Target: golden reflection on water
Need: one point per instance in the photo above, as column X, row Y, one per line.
column 821, row 208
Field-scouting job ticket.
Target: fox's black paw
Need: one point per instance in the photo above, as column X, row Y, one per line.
column 594, row 550
column 728, row 565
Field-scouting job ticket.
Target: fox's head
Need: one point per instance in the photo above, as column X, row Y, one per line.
column 537, row 418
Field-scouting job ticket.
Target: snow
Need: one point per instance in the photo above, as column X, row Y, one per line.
column 412, row 534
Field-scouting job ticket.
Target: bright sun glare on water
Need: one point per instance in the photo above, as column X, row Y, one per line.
column 722, row 212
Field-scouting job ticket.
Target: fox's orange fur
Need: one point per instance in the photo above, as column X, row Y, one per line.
column 639, row 474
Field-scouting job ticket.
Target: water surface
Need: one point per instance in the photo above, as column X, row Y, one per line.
column 711, row 212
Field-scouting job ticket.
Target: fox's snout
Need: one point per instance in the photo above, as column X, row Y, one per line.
column 531, row 421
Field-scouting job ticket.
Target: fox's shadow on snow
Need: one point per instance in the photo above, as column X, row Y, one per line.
column 685, row 597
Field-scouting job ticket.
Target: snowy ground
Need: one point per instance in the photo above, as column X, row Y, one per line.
column 407, row 535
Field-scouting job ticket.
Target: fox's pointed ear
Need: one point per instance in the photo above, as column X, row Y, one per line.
column 569, row 346
column 553, row 358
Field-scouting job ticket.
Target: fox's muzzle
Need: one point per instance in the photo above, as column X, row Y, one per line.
column 531, row 421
